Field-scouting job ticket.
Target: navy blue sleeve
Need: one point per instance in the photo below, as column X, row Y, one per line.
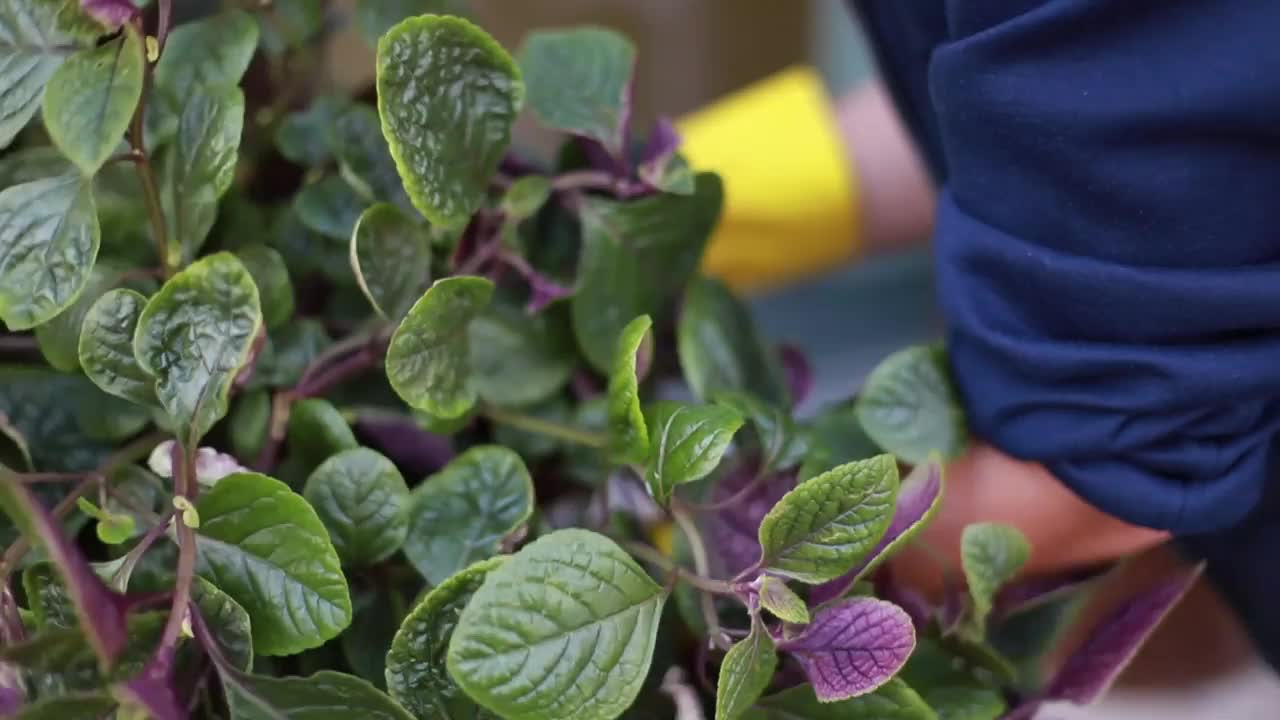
column 1109, row 244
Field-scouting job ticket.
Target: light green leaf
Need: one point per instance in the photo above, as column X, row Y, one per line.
column 375, row 18
column 686, row 444
column 49, row 240
column 327, row 695
column 635, row 254
column 910, row 408
column 198, row 169
column 329, row 207
column 427, row 361
column 90, row 100
column 36, row 37
column 211, row 53
column 781, row 444
column 227, row 621
column 362, row 499
column 895, row 700
column 59, row 339
column 462, row 513
column 526, row 196
column 782, row 601
column 317, row 431
column 746, row 672
column 720, row 349
column 264, row 546
column 275, row 290
column 448, row 95
column 416, row 673
column 579, row 80
column 106, row 347
column 822, row 528
column 991, row 555
column 195, row 335
column 564, row 629
column 517, row 359
column 628, row 434
column 391, row 258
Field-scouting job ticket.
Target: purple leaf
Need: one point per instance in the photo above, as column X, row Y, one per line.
column 853, row 648
column 913, row 603
column 11, row 696
column 1026, row 594
column 1089, row 672
column 599, row 158
column 735, row 529
column 101, row 612
column 415, row 451
column 917, row 498
column 111, row 13
column 662, row 144
column 795, row 365
column 151, row 693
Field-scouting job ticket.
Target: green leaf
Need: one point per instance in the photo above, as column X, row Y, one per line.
column 195, row 335
column 378, row 613
column 834, row 437
column 317, row 431
column 966, row 703
column 263, row 545
column 211, row 53
column 635, row 254
column 991, row 555
column 287, row 353
column 375, row 18
column 106, row 347
column 90, row 100
column 293, row 23
column 782, row 601
column 894, row 700
column 47, row 408
column 448, row 95
column 526, row 196
column 275, row 290
column 364, row 158
column 327, row 695
column 198, row 169
column 822, row 528
column 416, row 673
column 227, row 621
column 746, row 672
column 686, row 444
column 36, row 37
column 15, row 452
column 517, row 359
column 391, row 258
column 462, row 513
column 628, row 434
column 77, row 706
column 910, row 408
column 781, row 445
column 329, row 207
column 303, row 137
column 49, row 240
column 720, row 349
column 427, row 361
column 59, row 339
column 579, row 81
column 564, row 629
column 362, row 499
column 47, row 597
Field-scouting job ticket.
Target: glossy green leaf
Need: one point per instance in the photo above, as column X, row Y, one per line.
column 227, row 621
column 427, row 361
column 781, row 444
column 36, row 37
column 364, row 158
column 894, row 700
column 275, row 290
column 391, row 258
column 416, row 674
column 106, row 347
column 462, row 513
column 564, row 629
column 720, row 349
column 782, row 601
column 686, row 444
column 195, row 335
column 263, row 545
column 209, row 53
column 991, row 555
column 628, row 434
column 197, row 170
column 448, row 95
column 90, row 100
column 362, row 499
column 517, row 359
column 526, row 196
column 823, row 527
column 375, row 18
column 910, row 408
column 317, row 431
column 46, row 408
column 326, row 695
column 59, row 339
column 635, row 254
column 49, row 239
column 579, row 81
column 746, row 672
column 329, row 207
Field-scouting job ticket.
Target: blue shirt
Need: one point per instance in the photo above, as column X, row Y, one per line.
column 1108, row 251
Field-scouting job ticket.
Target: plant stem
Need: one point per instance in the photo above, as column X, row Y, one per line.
column 142, row 162
column 585, row 180
column 135, row 553
column 544, row 427
column 701, row 565
column 706, row 584
column 184, row 486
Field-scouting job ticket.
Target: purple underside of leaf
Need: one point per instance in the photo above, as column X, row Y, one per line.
column 736, row 529
column 100, row 611
column 798, row 371
column 415, row 451
column 111, row 13
column 919, row 491
column 11, row 701
column 663, row 142
column 1025, row 711
column 152, row 693
column 1090, row 670
column 853, row 648
column 1027, row 593
column 599, row 158
column 915, row 604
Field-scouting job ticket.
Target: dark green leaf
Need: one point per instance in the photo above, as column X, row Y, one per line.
column 79, row 706
column 49, row 240
column 910, row 408
column 781, row 445
column 894, row 700
column 991, row 555
column 365, row 161
column 378, row 612
column 391, row 258
column 720, row 348
column 746, row 672
column 329, row 207
column 106, row 347
column 317, row 430
column 462, row 513
column 195, row 335
column 59, row 338
column 90, row 100
column 363, row 501
column 517, row 359
column 965, row 703
column 628, row 434
column 327, row 695
column 427, row 361
column 287, row 353
column 303, row 137
column 834, row 437
column 206, row 54
column 564, row 629
column 36, row 36
column 579, row 81
column 448, row 95
column 375, row 18
column 35, row 400
column 249, row 424
column 686, row 444
column 47, row 597
column 15, row 452
column 292, row 25
column 264, row 546
column 275, row 290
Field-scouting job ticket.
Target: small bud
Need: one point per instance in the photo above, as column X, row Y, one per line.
column 153, row 49
column 190, row 516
